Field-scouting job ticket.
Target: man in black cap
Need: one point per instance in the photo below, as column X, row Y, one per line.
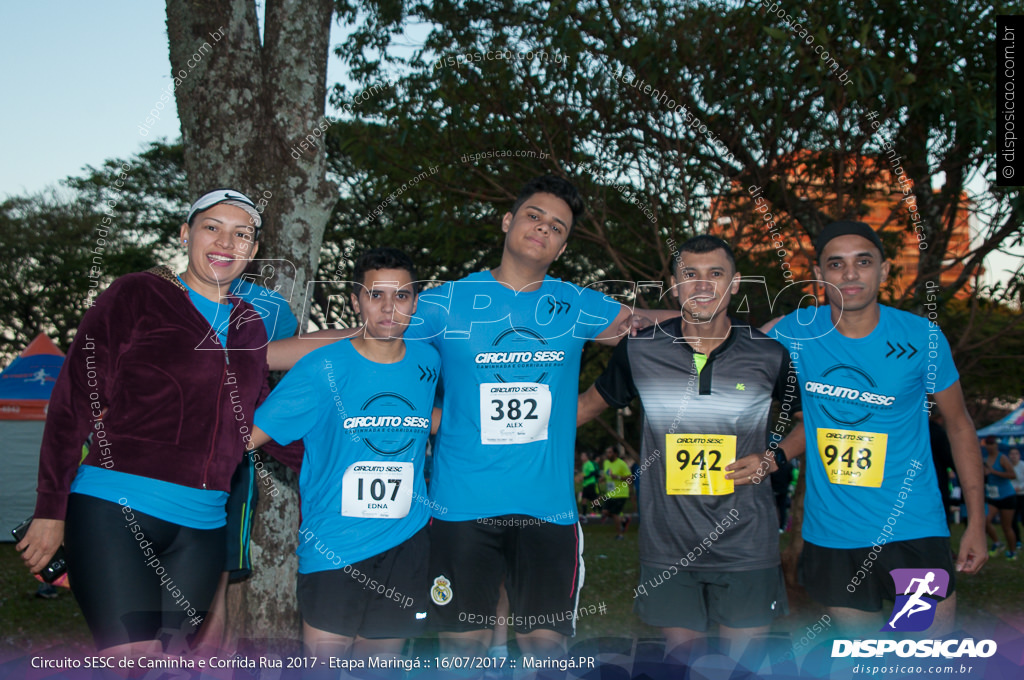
column 872, row 503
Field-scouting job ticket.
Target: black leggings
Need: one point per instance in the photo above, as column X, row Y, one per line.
column 137, row 577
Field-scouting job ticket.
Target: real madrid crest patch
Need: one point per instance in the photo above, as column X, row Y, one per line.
column 441, row 591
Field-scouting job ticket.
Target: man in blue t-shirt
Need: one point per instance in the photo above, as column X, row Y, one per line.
column 872, row 504
column 362, row 408
column 510, row 341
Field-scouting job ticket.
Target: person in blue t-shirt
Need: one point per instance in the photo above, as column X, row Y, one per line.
column 872, row 504
column 1001, row 498
column 273, row 309
column 510, row 341
column 362, row 408
column 144, row 383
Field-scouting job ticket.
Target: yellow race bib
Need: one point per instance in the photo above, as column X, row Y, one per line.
column 696, row 464
column 851, row 457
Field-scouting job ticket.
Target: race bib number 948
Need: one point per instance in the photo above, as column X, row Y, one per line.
column 514, row 413
column 853, row 458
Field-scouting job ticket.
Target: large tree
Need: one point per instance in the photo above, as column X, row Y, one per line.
column 244, row 101
column 664, row 112
column 658, row 109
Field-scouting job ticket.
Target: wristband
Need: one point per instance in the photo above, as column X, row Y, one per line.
column 780, row 457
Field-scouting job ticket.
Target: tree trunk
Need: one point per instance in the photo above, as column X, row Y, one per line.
column 243, row 107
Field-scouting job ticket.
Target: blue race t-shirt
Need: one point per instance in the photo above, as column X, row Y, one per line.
column 870, row 477
column 175, row 503
column 215, row 313
column 511, row 365
column 365, row 427
column 270, row 305
column 996, row 487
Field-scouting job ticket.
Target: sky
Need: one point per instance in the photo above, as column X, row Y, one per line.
column 86, row 73
column 79, row 78
column 89, row 73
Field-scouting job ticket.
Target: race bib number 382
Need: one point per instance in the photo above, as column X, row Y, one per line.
column 514, row 412
column 853, row 458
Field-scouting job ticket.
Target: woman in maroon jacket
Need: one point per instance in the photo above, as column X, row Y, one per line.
column 162, row 379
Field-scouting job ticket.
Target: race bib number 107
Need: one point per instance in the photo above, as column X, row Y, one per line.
column 376, row 489
column 514, row 413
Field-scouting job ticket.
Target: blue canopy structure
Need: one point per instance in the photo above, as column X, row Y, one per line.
column 1009, row 430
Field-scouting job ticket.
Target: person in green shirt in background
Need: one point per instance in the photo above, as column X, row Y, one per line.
column 589, row 492
column 616, row 472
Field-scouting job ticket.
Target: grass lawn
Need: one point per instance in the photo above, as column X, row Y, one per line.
column 28, row 624
column 612, row 572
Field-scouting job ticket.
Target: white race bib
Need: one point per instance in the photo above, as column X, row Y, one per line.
column 514, row 413
column 372, row 488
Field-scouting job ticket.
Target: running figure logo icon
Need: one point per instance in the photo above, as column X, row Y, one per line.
column 914, row 609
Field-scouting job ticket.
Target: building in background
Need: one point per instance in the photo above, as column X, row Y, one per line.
column 756, row 227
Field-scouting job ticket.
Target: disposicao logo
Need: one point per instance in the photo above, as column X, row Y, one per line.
column 917, row 595
column 921, row 590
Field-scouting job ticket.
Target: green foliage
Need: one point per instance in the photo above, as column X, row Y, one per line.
column 613, row 104
column 64, row 246
column 438, row 138
column 680, row 104
column 154, row 200
column 989, row 348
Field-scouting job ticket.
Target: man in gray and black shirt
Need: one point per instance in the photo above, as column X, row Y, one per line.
column 709, row 544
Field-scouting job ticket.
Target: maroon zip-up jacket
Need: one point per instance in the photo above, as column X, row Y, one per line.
column 177, row 404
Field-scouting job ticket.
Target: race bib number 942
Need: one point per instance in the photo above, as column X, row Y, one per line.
column 514, row 413
column 853, row 458
column 696, row 464
column 377, row 489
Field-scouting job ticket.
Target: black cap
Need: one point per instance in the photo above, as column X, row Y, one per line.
column 843, row 228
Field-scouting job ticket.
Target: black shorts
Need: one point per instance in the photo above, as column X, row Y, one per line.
column 590, row 493
column 241, row 508
column 693, row 599
column 137, row 577
column 540, row 563
column 1008, row 503
column 384, row 596
column 614, row 506
column 851, row 577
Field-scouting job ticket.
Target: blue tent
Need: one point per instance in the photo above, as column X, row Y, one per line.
column 1009, row 430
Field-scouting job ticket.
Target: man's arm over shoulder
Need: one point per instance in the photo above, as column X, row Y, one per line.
column 628, row 321
column 767, row 327
column 589, row 406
